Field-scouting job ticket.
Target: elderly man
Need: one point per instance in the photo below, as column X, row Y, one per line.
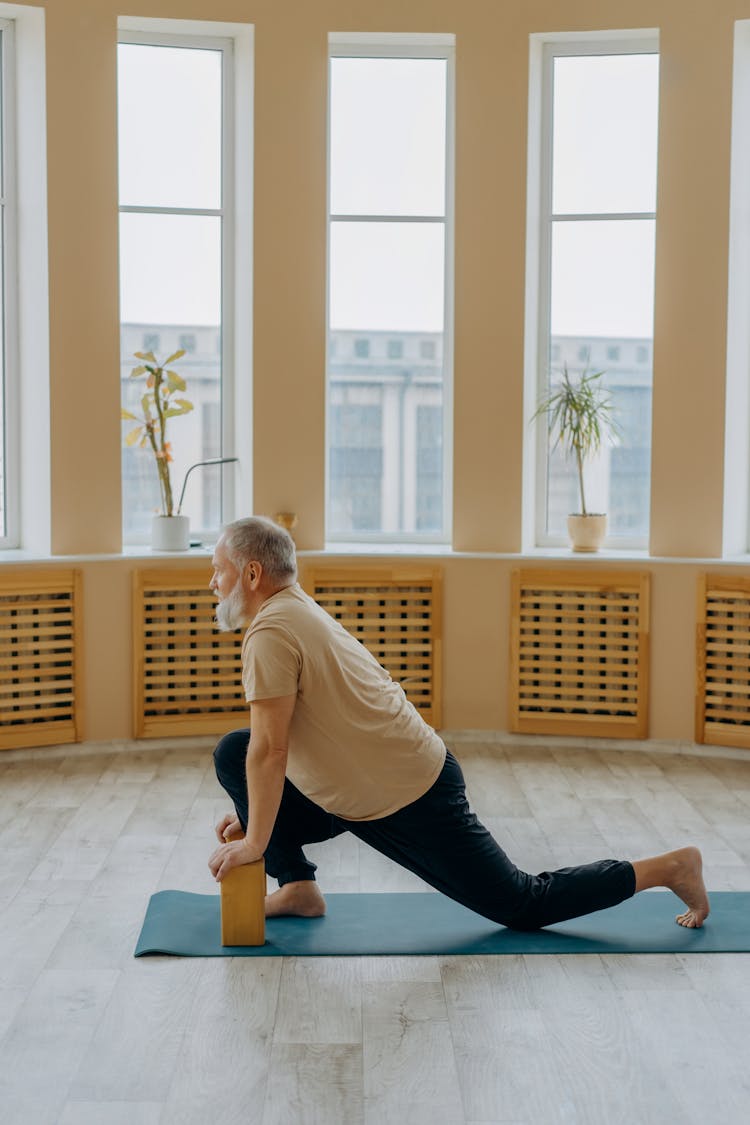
column 336, row 747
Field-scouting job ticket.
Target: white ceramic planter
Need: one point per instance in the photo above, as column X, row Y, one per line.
column 587, row 533
column 170, row 533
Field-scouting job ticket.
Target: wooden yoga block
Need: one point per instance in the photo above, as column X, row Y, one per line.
column 243, row 912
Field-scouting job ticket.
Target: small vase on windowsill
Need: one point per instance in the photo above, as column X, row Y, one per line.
column 587, row 533
column 170, row 533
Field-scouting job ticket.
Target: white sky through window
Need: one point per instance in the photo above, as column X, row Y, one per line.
column 387, row 156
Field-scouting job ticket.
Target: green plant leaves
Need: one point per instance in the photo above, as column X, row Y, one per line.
column 179, row 406
column 133, row 435
column 177, row 355
column 579, row 416
column 157, row 407
column 175, row 381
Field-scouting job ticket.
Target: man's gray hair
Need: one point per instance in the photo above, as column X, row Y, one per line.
column 260, row 539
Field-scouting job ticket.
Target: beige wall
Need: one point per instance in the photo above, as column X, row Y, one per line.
column 289, row 303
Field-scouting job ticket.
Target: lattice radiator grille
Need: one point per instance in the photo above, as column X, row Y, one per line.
column 396, row 614
column 579, row 653
column 187, row 675
column 723, row 659
column 38, row 657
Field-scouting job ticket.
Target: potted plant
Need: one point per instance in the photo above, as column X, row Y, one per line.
column 170, row 531
column 579, row 417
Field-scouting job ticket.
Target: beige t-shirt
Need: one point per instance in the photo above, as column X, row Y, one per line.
column 357, row 747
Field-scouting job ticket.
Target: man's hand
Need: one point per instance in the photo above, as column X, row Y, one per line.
column 232, row 855
column 228, row 828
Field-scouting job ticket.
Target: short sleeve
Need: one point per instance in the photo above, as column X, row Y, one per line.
column 270, row 664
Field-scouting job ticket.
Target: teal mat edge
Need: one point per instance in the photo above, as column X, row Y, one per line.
column 180, row 923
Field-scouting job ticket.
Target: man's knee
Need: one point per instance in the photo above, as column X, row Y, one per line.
column 230, row 752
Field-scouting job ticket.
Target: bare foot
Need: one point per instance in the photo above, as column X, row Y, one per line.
column 687, row 882
column 302, row 900
column 682, row 872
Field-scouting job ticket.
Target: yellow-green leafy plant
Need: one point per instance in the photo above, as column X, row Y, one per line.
column 158, row 405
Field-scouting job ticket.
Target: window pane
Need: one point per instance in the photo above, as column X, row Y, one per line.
column 603, row 278
column 169, row 125
column 170, row 269
column 602, row 321
column 3, row 388
column 388, row 141
column 605, row 122
column 385, row 434
column 387, row 136
column 170, row 288
column 387, row 275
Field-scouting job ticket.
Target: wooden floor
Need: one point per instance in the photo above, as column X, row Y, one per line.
column 90, row 1036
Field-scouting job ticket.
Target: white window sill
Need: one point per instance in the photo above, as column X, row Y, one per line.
column 387, row 550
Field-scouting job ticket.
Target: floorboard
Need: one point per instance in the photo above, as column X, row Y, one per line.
column 89, row 1036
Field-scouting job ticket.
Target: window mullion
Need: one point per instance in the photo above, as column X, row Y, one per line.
column 10, row 382
column 145, row 209
column 387, row 218
column 603, row 217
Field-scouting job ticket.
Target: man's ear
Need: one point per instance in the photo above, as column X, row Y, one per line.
column 253, row 570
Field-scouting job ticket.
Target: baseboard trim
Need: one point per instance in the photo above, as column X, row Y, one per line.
column 457, row 737
column 561, row 742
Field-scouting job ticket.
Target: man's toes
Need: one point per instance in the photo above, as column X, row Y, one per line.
column 689, row 919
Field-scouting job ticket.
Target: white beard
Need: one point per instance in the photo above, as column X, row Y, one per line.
column 231, row 613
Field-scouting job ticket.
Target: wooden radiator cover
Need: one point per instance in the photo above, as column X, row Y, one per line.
column 723, row 661
column 579, row 653
column 187, row 675
column 397, row 614
column 39, row 656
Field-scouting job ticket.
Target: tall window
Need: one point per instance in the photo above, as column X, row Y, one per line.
column 390, row 285
column 175, row 161
column 8, row 359
column 598, row 204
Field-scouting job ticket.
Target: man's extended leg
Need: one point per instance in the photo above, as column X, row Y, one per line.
column 441, row 840
column 298, row 822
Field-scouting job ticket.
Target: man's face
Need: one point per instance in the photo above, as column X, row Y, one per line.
column 226, row 583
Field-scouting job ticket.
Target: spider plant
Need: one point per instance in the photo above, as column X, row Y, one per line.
column 579, row 418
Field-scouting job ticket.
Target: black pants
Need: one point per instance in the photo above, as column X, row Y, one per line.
column 437, row 837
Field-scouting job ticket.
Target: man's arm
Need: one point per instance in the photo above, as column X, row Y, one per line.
column 266, row 769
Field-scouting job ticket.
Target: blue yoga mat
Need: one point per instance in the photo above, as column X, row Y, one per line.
column 188, row 925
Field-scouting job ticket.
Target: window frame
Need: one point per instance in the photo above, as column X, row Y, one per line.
column 591, row 44
column 9, row 330
column 401, row 46
column 226, row 213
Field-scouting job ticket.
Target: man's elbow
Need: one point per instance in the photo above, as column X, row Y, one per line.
column 268, row 753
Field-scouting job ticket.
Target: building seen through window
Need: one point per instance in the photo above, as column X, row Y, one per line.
column 386, row 431
column 385, row 455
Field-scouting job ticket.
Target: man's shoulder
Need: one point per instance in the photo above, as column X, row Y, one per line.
column 290, row 610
